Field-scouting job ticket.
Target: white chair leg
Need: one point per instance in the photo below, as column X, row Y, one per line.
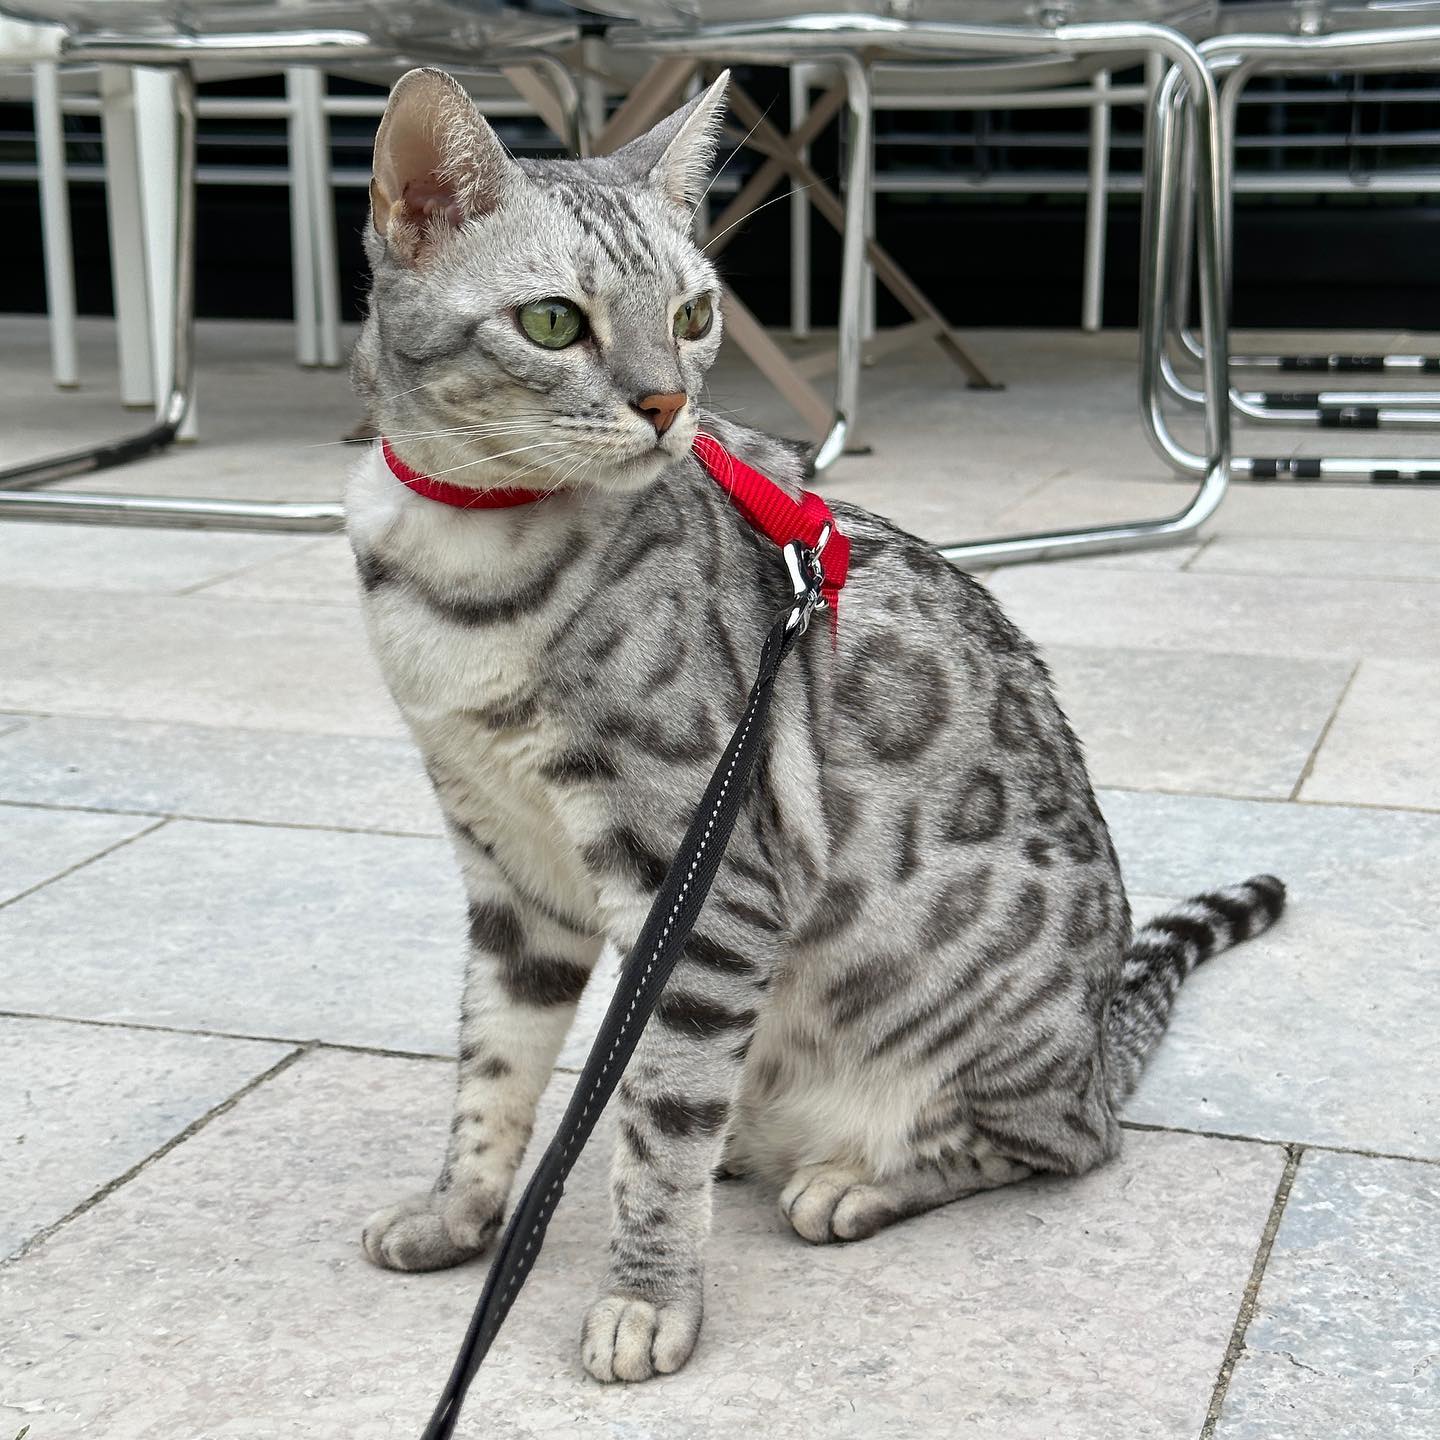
column 870, row 293
column 127, row 235
column 157, row 134
column 1097, row 206
column 324, row 251
column 302, row 251
column 800, row 79
column 55, row 225
column 592, row 84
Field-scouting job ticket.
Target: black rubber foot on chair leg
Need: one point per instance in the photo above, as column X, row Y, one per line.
column 981, row 385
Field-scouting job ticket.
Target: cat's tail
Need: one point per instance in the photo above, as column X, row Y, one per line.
column 1164, row 951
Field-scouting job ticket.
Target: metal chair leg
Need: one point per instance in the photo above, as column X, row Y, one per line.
column 1161, row 377
column 127, row 237
column 1097, row 205
column 853, row 269
column 1212, row 468
column 1333, row 409
column 799, row 213
column 55, row 224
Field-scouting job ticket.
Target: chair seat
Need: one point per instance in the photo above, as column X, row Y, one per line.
column 1039, row 15
column 1325, row 17
column 357, row 27
column 917, row 79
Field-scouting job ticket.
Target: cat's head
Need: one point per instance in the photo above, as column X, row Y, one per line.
column 541, row 323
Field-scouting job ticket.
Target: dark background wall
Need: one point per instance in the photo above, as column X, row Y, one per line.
column 986, row 259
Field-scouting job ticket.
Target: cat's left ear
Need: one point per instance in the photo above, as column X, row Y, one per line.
column 678, row 154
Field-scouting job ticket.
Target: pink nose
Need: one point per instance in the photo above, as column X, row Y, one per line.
column 660, row 410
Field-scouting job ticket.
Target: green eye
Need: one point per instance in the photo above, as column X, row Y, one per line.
column 692, row 319
column 552, row 323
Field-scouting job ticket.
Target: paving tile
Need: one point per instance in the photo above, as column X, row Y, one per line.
column 1174, row 720
column 291, row 933
column 1339, row 512
column 1323, row 1029
column 1388, row 559
column 106, row 559
column 37, row 844
column 1345, row 1340
column 1167, row 557
column 191, row 659
column 81, row 1104
column 323, row 573
column 190, row 1301
column 340, row 781
column 1250, row 614
column 1381, row 749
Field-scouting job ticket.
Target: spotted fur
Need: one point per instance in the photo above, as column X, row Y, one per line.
column 915, row 978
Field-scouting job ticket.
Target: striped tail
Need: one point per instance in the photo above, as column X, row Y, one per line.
column 1165, row 951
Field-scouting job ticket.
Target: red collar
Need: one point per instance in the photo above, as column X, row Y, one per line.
column 461, row 496
column 759, row 499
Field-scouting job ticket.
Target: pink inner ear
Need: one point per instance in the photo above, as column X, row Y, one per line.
column 429, row 197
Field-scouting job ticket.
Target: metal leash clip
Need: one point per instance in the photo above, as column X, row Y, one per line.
column 807, row 577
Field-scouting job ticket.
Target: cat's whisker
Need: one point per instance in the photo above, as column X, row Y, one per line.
column 721, row 169
column 488, row 459
column 777, row 199
column 455, row 431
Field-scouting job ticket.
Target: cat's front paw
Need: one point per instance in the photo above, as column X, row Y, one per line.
column 628, row 1339
column 432, row 1232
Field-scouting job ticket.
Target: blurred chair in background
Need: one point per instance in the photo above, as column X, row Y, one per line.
column 160, row 41
column 858, row 35
column 1307, row 37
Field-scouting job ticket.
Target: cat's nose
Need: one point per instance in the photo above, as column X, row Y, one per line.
column 660, row 410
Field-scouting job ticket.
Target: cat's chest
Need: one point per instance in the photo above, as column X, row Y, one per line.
column 463, row 630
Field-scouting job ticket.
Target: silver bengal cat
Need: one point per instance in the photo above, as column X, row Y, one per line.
column 916, row 978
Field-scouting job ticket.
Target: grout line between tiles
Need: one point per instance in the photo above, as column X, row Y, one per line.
column 1324, row 734
column 394, row 1053
column 89, row 860
column 1251, row 1296
column 203, row 1032
column 193, row 1128
column 225, row 820
column 1242, row 1139
column 161, row 722
column 1104, row 785
column 200, row 585
column 1309, row 575
column 439, row 834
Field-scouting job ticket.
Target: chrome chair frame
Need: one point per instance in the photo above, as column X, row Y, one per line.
column 20, row 497
column 1237, row 58
column 851, row 41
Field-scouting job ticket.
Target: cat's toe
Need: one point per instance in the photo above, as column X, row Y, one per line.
column 628, row 1339
column 429, row 1232
column 829, row 1202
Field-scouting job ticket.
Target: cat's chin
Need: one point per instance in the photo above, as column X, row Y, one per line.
column 631, row 472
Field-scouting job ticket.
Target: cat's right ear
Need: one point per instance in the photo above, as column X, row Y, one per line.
column 437, row 164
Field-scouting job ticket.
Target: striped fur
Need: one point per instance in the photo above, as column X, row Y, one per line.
column 1163, row 953
column 914, row 979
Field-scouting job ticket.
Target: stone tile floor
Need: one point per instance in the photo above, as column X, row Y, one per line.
column 229, row 948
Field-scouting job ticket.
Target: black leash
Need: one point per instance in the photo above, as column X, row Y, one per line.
column 642, row 977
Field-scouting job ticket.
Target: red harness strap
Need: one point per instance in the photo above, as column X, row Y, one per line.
column 759, row 499
column 776, row 516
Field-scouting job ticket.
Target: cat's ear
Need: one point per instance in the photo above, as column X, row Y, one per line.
column 437, row 163
column 677, row 155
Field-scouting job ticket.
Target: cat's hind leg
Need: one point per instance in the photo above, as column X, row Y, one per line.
column 838, row 1202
